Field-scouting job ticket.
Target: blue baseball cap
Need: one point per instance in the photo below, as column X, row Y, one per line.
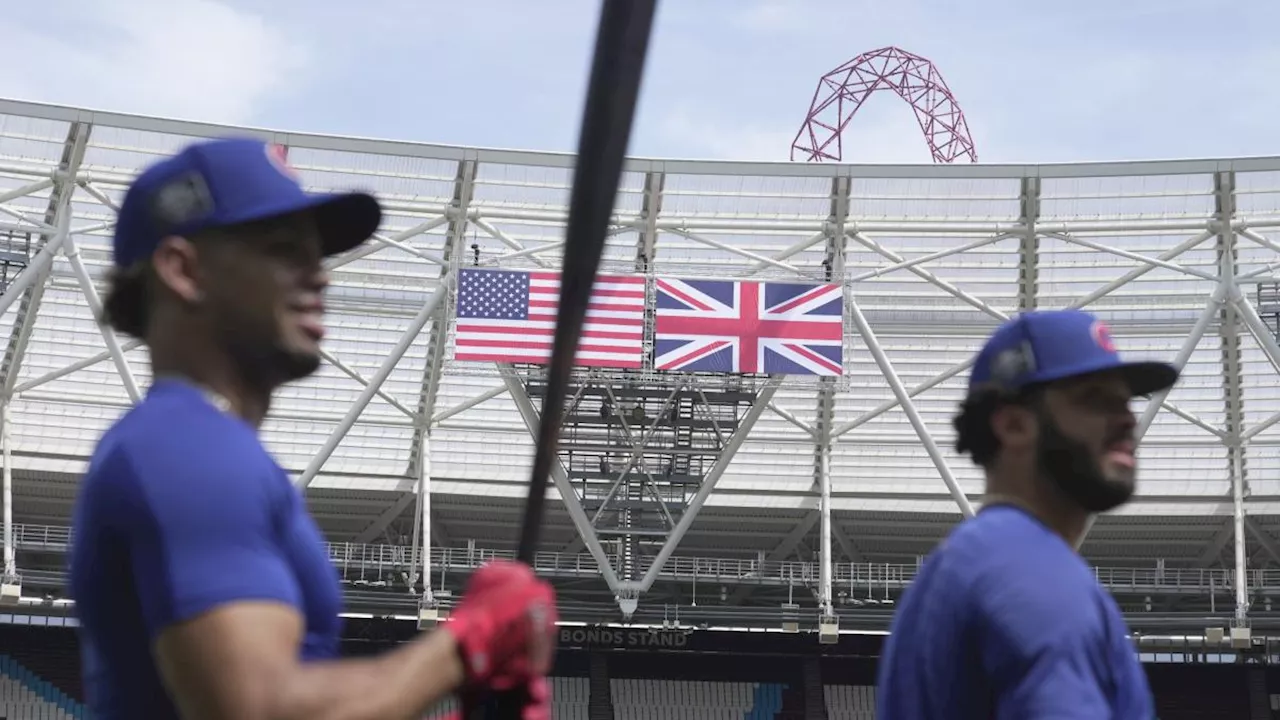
column 1047, row 345
column 230, row 181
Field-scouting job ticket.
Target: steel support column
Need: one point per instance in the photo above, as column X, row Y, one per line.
column 1232, row 395
column 650, row 209
column 825, row 559
column 908, row 406
column 10, row 576
column 437, row 348
column 29, row 285
column 422, row 523
column 833, row 263
column 428, row 311
column 1238, row 516
column 463, row 190
column 1029, row 248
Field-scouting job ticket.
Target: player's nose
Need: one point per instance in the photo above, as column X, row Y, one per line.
column 316, row 279
column 1127, row 421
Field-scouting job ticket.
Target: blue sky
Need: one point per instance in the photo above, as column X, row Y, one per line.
column 1038, row 81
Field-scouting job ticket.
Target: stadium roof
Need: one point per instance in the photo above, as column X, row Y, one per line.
column 1177, row 256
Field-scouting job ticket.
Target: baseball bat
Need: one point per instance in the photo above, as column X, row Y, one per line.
column 622, row 42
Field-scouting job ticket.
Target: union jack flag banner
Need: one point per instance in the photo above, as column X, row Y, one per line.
column 739, row 326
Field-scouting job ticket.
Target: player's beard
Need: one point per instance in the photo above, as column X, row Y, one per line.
column 294, row 364
column 264, row 359
column 1070, row 466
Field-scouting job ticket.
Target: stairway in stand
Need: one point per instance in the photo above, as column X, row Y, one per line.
column 815, row 696
column 601, row 704
column 1259, row 698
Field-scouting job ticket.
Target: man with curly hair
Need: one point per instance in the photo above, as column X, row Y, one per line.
column 1005, row 619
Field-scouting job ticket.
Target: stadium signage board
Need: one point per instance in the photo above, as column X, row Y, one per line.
column 604, row 637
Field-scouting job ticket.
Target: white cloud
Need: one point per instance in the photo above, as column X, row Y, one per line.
column 199, row 59
column 771, row 16
column 726, row 78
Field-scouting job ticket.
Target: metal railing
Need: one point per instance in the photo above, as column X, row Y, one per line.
column 375, row 561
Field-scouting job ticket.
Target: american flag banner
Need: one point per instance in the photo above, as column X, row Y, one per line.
column 740, row 326
column 510, row 316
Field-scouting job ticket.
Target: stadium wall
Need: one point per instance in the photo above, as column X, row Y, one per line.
column 762, row 675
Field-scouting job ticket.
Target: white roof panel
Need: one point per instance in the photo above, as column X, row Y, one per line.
column 936, row 256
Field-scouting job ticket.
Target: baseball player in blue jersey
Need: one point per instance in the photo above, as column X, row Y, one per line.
column 203, row 587
column 1005, row 620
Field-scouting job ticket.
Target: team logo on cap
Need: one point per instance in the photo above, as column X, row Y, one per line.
column 182, row 200
column 1102, row 336
column 280, row 159
column 1011, row 365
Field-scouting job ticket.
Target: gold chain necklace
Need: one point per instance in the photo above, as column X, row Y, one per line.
column 214, row 398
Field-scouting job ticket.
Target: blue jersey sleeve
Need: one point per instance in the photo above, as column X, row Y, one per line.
column 200, row 530
column 1043, row 655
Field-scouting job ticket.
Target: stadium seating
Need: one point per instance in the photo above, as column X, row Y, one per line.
column 851, row 702
column 569, row 697
column 52, row 653
column 23, row 696
column 636, row 699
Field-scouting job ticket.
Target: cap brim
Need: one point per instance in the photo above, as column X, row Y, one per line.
column 1142, row 377
column 1148, row 378
column 344, row 220
column 347, row 220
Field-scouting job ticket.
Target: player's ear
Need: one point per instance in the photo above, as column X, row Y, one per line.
column 1014, row 426
column 176, row 263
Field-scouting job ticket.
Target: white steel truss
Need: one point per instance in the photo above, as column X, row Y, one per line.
column 932, row 258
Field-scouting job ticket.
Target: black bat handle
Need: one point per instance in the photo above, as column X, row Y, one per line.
column 505, row 705
column 622, row 42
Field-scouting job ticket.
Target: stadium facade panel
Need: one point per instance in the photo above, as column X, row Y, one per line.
column 1177, row 256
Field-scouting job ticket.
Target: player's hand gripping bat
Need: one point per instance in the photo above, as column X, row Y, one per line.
column 622, row 43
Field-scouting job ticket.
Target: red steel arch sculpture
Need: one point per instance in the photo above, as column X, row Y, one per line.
column 842, row 92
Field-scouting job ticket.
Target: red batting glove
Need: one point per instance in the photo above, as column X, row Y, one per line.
column 505, row 626
column 537, row 704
